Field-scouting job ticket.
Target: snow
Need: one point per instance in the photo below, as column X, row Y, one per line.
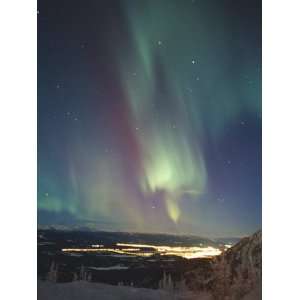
column 80, row 290
column 116, row 267
column 74, row 254
column 45, row 243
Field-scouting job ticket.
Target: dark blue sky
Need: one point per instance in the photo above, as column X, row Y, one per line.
column 149, row 115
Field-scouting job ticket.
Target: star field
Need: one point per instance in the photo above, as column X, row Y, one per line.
column 149, row 115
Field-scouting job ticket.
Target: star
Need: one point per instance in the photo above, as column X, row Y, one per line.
column 159, row 43
column 46, row 194
column 221, row 200
column 193, row 62
column 242, row 122
column 229, row 162
column 57, row 86
column 75, row 119
column 197, row 78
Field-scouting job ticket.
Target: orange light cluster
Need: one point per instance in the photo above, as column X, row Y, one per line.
column 136, row 250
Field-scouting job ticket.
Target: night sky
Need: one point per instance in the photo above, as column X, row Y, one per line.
column 149, row 115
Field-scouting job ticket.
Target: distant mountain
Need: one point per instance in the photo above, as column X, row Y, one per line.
column 235, row 274
column 61, row 232
column 228, row 240
column 58, row 227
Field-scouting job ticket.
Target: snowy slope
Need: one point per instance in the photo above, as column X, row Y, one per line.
column 82, row 290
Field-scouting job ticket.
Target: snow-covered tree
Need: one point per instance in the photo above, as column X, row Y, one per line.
column 82, row 273
column 221, row 288
column 52, row 274
column 75, row 276
column 89, row 277
column 166, row 282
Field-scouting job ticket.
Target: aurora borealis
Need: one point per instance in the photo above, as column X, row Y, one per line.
column 149, row 115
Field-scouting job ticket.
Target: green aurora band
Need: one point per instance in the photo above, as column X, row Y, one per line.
column 179, row 90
